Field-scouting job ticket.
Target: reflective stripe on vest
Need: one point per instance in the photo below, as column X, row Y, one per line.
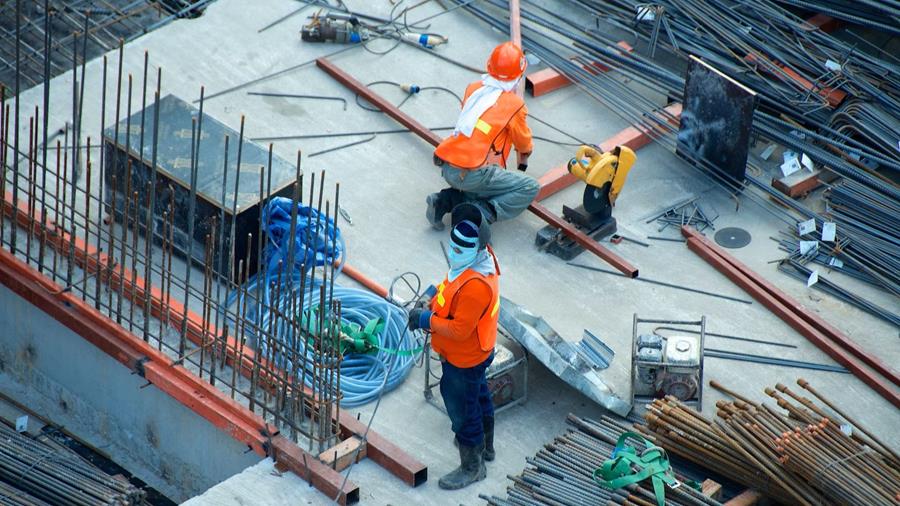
column 473, row 152
column 487, row 324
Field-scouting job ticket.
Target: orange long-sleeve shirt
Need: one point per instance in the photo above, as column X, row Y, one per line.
column 455, row 337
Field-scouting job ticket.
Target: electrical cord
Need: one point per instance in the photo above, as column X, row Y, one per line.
column 408, row 94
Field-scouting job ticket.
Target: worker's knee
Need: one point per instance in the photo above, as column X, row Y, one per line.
column 532, row 187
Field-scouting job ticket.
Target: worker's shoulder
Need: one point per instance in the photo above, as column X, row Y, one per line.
column 513, row 100
column 472, row 87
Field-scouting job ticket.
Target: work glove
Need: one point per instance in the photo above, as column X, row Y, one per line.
column 425, row 300
column 419, row 319
column 523, row 167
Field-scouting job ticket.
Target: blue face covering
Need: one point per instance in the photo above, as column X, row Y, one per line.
column 460, row 261
column 461, row 257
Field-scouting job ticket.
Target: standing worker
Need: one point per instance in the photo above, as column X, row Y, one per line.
column 473, row 158
column 462, row 318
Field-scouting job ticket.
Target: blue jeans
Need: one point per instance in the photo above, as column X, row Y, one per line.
column 467, row 399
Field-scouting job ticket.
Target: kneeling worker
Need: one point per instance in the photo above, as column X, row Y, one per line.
column 462, row 318
column 473, row 158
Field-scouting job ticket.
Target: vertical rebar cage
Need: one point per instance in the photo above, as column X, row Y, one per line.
column 263, row 328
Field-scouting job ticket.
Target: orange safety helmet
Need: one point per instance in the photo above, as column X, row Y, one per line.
column 507, row 62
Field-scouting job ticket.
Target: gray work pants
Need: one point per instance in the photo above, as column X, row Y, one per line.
column 501, row 194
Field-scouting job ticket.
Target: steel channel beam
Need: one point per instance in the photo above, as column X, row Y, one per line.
column 385, row 453
column 817, row 322
column 794, row 315
column 404, row 119
column 373, row 98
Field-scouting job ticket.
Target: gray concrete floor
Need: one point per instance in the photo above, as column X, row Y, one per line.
column 383, row 186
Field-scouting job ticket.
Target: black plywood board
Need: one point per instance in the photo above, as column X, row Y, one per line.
column 716, row 120
column 173, row 176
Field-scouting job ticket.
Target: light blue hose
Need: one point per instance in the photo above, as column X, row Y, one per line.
column 363, row 376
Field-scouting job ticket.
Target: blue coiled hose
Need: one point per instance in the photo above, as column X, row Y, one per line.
column 363, row 375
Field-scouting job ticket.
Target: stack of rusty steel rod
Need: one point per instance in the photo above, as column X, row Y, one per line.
column 55, row 476
column 809, row 454
column 561, row 473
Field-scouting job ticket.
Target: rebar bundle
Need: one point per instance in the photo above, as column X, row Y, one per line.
column 56, row 477
column 807, row 455
column 883, row 15
column 794, row 114
column 562, row 473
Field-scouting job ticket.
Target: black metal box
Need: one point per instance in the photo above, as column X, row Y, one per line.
column 132, row 140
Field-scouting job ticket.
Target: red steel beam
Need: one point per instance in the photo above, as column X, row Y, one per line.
column 832, row 96
column 398, row 462
column 373, row 98
column 515, row 34
column 176, row 381
column 634, row 137
column 825, row 23
column 385, row 453
column 816, row 321
column 546, row 80
column 798, row 318
column 434, row 139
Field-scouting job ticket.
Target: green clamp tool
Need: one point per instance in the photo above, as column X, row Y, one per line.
column 626, row 467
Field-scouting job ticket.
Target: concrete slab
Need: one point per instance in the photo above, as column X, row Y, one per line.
column 269, row 486
column 383, row 186
column 57, row 373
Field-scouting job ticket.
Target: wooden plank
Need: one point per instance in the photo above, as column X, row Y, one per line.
column 711, row 489
column 287, row 455
column 341, row 455
column 745, row 498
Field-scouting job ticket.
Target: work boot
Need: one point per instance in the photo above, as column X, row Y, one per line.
column 440, row 204
column 471, row 468
column 489, row 453
column 437, row 208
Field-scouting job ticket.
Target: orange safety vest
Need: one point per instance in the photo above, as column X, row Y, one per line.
column 473, row 152
column 486, row 329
